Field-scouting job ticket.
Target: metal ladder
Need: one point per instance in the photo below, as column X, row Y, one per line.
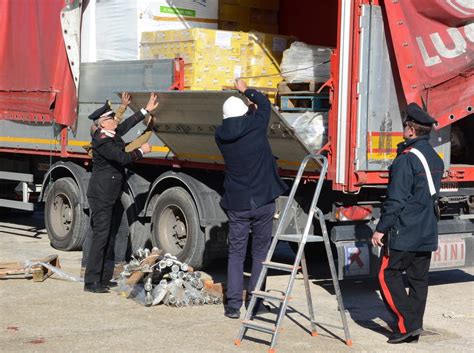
column 300, row 259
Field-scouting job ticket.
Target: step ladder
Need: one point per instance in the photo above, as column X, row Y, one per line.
column 299, row 263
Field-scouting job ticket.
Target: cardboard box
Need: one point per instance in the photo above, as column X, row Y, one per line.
column 239, row 15
column 214, row 58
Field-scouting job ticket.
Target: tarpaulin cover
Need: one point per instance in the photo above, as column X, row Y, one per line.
column 33, row 59
column 433, row 42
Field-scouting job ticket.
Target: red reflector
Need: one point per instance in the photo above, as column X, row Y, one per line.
column 353, row 213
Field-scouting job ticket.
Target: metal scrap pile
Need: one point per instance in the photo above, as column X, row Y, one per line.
column 152, row 278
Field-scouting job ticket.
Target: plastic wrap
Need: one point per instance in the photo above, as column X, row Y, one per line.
column 111, row 29
column 303, row 62
column 56, row 271
column 311, row 128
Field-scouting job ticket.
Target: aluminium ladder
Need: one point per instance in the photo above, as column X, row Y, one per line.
column 300, row 262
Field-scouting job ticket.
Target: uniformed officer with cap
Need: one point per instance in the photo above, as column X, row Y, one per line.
column 105, row 186
column 408, row 226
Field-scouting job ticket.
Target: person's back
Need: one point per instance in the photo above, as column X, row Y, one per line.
column 251, row 186
column 251, row 173
column 409, row 233
column 408, row 227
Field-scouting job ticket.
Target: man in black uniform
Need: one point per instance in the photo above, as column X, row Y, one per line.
column 105, row 187
column 251, row 186
column 408, row 226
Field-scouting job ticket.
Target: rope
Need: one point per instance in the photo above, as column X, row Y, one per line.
column 286, row 72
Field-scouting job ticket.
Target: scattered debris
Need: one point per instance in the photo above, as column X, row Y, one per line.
column 452, row 315
column 39, row 269
column 152, row 278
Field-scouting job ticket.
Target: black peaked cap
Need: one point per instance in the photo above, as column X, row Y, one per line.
column 101, row 111
column 418, row 115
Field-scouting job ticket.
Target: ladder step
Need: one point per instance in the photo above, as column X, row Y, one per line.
column 279, row 266
column 259, row 326
column 297, row 238
column 268, row 296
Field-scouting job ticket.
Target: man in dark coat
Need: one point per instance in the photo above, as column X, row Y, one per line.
column 105, row 187
column 408, row 226
column 251, row 186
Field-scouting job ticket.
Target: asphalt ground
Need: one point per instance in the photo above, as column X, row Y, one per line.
column 58, row 316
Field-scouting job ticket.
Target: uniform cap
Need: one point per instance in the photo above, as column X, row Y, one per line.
column 103, row 111
column 233, row 107
column 418, row 115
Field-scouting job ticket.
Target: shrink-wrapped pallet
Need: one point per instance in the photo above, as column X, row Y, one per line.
column 303, row 62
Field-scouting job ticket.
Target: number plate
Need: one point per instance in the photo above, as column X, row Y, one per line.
column 451, row 252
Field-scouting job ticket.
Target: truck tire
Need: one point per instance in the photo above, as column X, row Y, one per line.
column 176, row 229
column 139, row 237
column 65, row 220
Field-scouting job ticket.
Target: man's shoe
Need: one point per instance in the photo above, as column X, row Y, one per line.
column 110, row 284
column 408, row 337
column 95, row 287
column 232, row 313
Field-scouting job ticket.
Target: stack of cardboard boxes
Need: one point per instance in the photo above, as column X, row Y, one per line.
column 213, row 59
column 249, row 15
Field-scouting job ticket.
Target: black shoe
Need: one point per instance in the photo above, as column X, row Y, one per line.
column 409, row 337
column 232, row 313
column 95, row 287
column 110, row 284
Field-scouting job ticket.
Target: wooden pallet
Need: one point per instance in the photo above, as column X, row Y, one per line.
column 289, row 87
column 38, row 272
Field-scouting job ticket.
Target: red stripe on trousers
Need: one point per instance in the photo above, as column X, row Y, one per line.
column 388, row 295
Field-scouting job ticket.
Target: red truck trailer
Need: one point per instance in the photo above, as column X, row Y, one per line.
column 386, row 54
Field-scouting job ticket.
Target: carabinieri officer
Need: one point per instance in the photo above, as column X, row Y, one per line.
column 106, row 184
column 409, row 216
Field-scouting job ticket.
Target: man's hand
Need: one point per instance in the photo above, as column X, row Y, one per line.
column 240, row 85
column 146, row 148
column 126, row 99
column 377, row 238
column 152, row 102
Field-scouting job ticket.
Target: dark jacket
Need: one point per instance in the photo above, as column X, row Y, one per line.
column 409, row 208
column 251, row 171
column 109, row 160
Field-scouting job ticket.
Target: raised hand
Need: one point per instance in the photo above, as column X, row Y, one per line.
column 240, row 85
column 126, row 98
column 152, row 102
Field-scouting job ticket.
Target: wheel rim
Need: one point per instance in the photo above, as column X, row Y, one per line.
column 173, row 229
column 62, row 215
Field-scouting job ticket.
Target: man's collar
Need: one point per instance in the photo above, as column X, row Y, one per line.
column 109, row 133
column 403, row 145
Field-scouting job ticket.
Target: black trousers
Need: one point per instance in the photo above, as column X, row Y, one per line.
column 407, row 308
column 105, row 220
column 260, row 220
column 121, row 242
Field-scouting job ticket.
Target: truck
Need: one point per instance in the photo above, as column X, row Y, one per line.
column 385, row 55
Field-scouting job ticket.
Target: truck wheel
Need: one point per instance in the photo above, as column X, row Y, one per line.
column 138, row 234
column 65, row 220
column 175, row 227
